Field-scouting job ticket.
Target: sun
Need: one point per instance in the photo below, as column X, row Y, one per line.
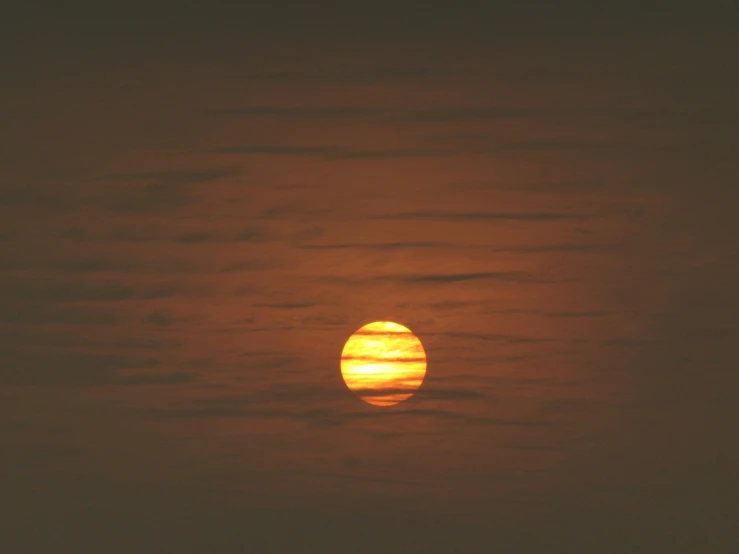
column 383, row 363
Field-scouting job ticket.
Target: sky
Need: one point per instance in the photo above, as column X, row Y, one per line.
column 200, row 205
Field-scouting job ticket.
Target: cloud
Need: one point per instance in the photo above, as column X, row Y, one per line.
column 565, row 247
column 327, row 417
column 194, row 238
column 493, row 337
column 163, row 189
column 88, row 265
column 286, row 305
column 280, row 150
column 483, row 113
column 383, row 114
column 486, row 216
column 254, row 234
column 360, row 76
column 390, row 154
column 174, row 378
column 450, row 394
column 375, row 246
column 438, row 279
column 66, row 290
column 579, row 314
column 158, row 319
column 626, row 147
column 59, row 368
column 248, row 265
column 536, row 249
column 133, row 235
column 516, row 276
column 26, row 196
column 335, row 152
column 178, row 177
column 298, row 113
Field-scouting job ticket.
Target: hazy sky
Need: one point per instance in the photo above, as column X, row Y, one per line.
column 199, row 207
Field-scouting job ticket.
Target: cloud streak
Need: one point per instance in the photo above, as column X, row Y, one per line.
column 335, row 152
column 486, row 216
column 384, row 114
column 390, row 246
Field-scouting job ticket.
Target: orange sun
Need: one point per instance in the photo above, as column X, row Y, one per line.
column 383, row 363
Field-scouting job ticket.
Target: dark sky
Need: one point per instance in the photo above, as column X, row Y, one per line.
column 198, row 206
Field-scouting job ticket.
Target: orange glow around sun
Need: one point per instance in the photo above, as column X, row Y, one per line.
column 383, row 363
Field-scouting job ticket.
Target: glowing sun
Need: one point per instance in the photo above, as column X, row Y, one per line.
column 383, row 363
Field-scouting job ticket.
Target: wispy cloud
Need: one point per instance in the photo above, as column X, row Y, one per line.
column 578, row 314
column 385, row 114
column 59, row 368
column 176, row 177
column 401, row 245
column 299, row 113
column 391, row 154
column 374, row 246
column 558, row 145
column 333, row 417
column 173, row 378
column 520, row 277
column 361, row 76
column 486, row 216
column 334, row 152
column 27, row 196
column 164, row 189
column 481, row 113
column 57, row 289
column 194, row 238
column 279, row 150
column 446, row 278
column 285, row 305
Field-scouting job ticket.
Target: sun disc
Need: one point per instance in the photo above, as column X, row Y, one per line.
column 383, row 363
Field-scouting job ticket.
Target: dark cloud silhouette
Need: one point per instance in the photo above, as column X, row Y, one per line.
column 158, row 319
column 280, row 150
column 88, row 265
column 335, row 152
column 28, row 196
column 591, row 146
column 299, row 113
column 386, row 114
column 331, row 417
column 133, row 234
column 175, row 378
column 21, row 310
column 57, row 289
column 534, row 249
column 514, row 276
column 248, row 265
column 178, row 177
column 376, row 246
column 494, row 337
column 55, row 368
column 361, row 76
column 474, row 114
column 486, row 216
column 388, row 154
column 286, row 305
column 194, row 238
column 165, row 189
column 545, row 248
column 579, row 314
column 255, row 234
column 437, row 279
